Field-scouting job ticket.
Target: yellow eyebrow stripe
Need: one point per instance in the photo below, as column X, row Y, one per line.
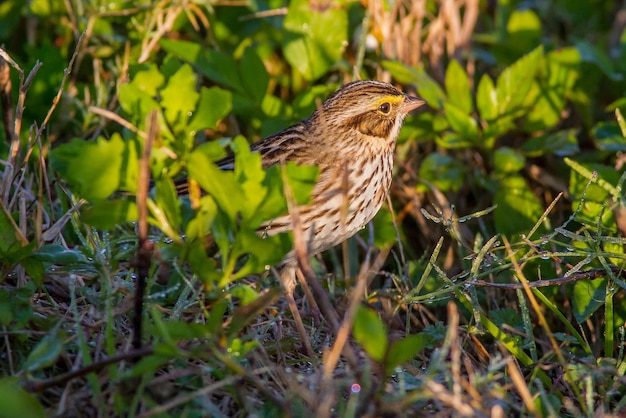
column 390, row 99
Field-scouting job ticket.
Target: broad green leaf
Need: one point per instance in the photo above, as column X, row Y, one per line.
column 200, row 226
column 561, row 144
column 58, row 254
column 166, row 199
column 97, row 169
column 518, row 208
column 598, row 190
column 244, row 293
column 620, row 121
column 259, row 252
column 608, row 136
column 16, row 402
column 487, row 99
column 458, row 87
column 515, row 82
column 384, row 230
column 11, row 237
column 452, row 140
column 35, row 269
column 443, row 171
column 427, row 88
column 508, row 160
column 274, row 107
column 15, row 305
column 592, row 54
column 250, row 175
column 547, row 97
column 588, row 296
column 202, row 265
column 314, row 36
column 147, row 81
column 45, row 353
column 253, row 74
column 137, row 102
column 179, row 98
column 221, row 185
column 215, row 65
column 213, row 106
column 405, row 349
column 305, row 103
column 523, row 31
column 368, row 329
column 302, row 179
column 108, row 214
column 464, row 124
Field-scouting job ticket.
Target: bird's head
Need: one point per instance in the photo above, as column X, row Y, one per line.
column 373, row 108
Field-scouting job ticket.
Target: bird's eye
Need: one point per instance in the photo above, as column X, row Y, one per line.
column 385, row 107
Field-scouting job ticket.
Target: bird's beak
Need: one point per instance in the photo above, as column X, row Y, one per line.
column 411, row 103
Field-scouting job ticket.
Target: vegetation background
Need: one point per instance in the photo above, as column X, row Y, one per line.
column 491, row 286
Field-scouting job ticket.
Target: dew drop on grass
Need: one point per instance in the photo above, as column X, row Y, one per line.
column 355, row 388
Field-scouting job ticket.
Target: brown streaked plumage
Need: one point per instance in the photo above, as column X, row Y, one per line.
column 351, row 138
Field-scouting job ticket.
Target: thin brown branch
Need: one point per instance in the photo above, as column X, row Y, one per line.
column 38, row 386
column 583, row 275
column 145, row 247
column 8, row 113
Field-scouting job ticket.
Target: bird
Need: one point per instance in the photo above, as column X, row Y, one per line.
column 351, row 139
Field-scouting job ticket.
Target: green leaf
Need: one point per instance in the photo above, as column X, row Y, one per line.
column 139, row 97
column 259, row 251
column 405, row 349
column 452, row 140
column 221, row 185
column 443, row 171
column 109, row 214
column 11, row 238
column 598, row 190
column 518, row 208
column 16, row 402
column 45, row 353
column 315, row 36
column 215, row 65
column 487, row 99
column 465, row 125
column 562, row 143
column 370, row 332
column 458, row 87
column 166, row 200
column 250, row 175
column 97, row 169
column 608, row 137
column 384, row 230
column 147, row 81
column 179, row 97
column 547, row 97
column 213, row 106
column 508, row 160
column 523, row 31
column 244, row 293
column 592, row 54
column 588, row 296
column 254, row 75
column 427, row 87
column 515, row 82
column 200, row 226
column 58, row 254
